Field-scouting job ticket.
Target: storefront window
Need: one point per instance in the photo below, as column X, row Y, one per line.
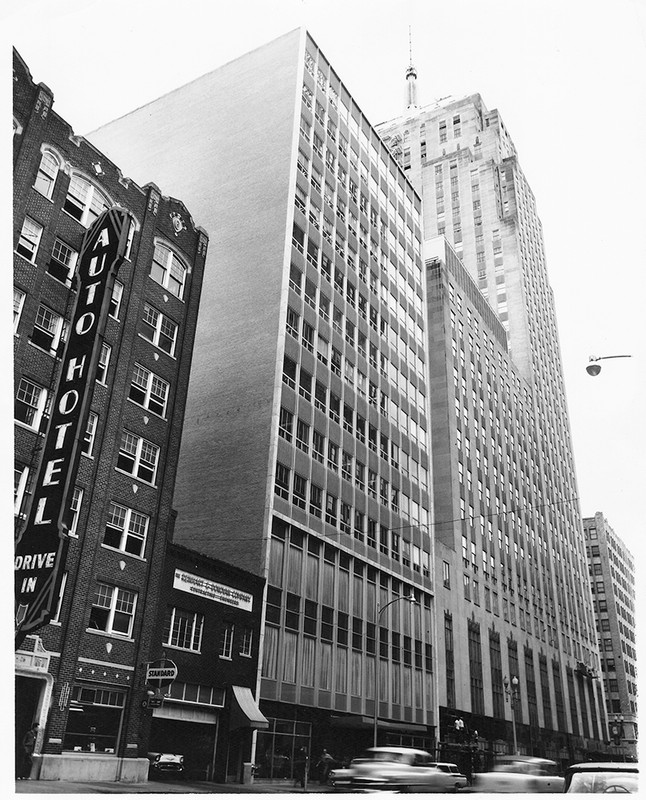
column 94, row 719
column 277, row 747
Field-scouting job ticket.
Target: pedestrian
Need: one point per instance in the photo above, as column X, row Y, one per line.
column 28, row 747
column 300, row 767
column 324, row 765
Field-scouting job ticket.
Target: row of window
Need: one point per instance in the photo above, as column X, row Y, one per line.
column 183, row 630
column 167, row 268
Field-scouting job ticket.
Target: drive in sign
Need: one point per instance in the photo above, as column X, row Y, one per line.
column 42, row 545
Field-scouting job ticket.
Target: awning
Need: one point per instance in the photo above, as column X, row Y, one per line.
column 368, row 722
column 244, row 711
column 185, row 713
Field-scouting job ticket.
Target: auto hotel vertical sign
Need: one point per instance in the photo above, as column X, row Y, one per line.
column 42, row 546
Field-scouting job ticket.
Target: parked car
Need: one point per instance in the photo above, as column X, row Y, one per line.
column 164, row 765
column 602, row 777
column 397, row 769
column 520, row 774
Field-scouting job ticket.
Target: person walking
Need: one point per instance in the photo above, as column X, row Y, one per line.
column 28, row 747
column 324, row 766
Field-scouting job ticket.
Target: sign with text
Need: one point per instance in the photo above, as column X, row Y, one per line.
column 161, row 673
column 194, row 584
column 42, row 545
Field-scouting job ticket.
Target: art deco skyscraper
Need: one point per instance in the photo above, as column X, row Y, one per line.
column 305, row 454
column 515, row 487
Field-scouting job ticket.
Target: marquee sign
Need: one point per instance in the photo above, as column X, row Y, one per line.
column 218, row 592
column 42, row 546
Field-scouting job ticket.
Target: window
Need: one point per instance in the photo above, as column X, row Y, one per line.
column 285, row 424
column 21, row 488
column 126, row 530
column 29, row 239
column 148, row 390
column 168, row 270
column 183, row 629
column 90, row 434
column 104, row 360
column 31, row 401
column 299, row 495
column 75, row 510
column 138, row 457
column 18, row 303
column 63, row 261
column 159, row 330
column 115, row 300
column 303, row 436
column 246, row 643
column 84, row 201
column 281, row 486
column 316, row 500
column 48, row 329
column 113, row 610
column 46, row 175
column 226, row 645
column 330, row 509
column 318, row 446
column 101, row 710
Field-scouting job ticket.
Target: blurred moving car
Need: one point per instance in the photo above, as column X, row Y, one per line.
column 397, row 769
column 520, row 774
column 602, row 777
column 165, row 764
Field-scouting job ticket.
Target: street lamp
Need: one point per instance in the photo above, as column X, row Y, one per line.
column 513, row 696
column 410, row 599
column 594, row 368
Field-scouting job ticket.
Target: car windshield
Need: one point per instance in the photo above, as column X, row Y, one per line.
column 606, row 782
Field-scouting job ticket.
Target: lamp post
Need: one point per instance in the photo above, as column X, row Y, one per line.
column 512, row 696
column 380, row 611
column 593, row 368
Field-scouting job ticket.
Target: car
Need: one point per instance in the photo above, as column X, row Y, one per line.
column 520, row 774
column 402, row 769
column 599, row 777
column 165, row 765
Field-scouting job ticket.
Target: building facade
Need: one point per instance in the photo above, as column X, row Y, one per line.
column 612, row 578
column 305, row 456
column 208, row 625
column 511, row 478
column 81, row 675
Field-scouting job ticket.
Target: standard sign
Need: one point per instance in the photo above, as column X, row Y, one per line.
column 194, row 584
column 161, row 673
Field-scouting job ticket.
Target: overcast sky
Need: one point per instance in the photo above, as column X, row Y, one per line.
column 569, row 79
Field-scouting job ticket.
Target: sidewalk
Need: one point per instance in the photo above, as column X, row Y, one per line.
column 162, row 787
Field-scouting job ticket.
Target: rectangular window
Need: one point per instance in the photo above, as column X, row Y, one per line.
column 104, row 361
column 183, row 629
column 159, row 330
column 18, row 303
column 246, row 643
column 285, row 424
column 148, row 390
column 30, row 406
column 115, row 300
column 281, row 486
column 126, row 530
column 316, row 500
column 226, row 644
column 90, row 434
column 299, row 494
column 138, row 457
column 62, row 262
column 48, row 329
column 168, row 270
column 113, row 610
column 29, row 239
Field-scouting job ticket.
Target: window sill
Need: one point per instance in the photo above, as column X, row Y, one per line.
column 24, row 258
column 182, row 649
column 122, row 552
column 119, row 636
column 225, row 658
column 134, row 477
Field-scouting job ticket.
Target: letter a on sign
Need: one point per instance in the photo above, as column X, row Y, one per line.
column 42, row 545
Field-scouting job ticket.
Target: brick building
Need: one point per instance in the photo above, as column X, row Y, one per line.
column 612, row 579
column 209, row 626
column 80, row 676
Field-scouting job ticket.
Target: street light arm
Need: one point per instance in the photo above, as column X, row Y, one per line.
column 601, row 358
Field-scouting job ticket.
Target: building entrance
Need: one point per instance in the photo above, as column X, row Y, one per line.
column 28, row 692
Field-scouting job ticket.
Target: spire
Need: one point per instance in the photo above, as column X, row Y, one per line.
column 411, row 77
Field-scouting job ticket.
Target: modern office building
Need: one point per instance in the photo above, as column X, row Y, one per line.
column 612, row 577
column 82, row 675
column 503, row 467
column 305, row 455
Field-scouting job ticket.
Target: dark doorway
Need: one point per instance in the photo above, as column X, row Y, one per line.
column 27, row 698
column 194, row 740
